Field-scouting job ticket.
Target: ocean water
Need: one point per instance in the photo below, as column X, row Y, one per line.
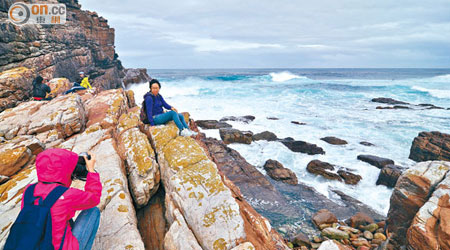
column 332, row 102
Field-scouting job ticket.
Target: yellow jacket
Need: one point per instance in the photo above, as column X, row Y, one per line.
column 85, row 83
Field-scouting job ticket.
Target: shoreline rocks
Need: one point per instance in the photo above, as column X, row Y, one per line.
column 302, row 146
column 212, row 124
column 278, row 172
column 328, row 171
column 334, row 140
column 231, row 135
column 376, row 161
column 245, row 119
column 430, row 146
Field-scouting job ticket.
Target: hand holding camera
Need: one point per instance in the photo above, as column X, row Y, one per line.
column 85, row 164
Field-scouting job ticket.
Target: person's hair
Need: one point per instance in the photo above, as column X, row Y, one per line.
column 154, row 81
column 38, row 80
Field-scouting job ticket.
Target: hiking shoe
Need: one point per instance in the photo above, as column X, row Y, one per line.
column 185, row 132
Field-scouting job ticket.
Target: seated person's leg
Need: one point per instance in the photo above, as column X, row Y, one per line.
column 86, row 226
column 181, row 117
column 164, row 118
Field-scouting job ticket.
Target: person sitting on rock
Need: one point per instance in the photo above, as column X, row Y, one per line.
column 154, row 104
column 40, row 89
column 81, row 84
column 84, row 81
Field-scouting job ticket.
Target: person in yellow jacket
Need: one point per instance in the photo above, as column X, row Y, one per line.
column 84, row 81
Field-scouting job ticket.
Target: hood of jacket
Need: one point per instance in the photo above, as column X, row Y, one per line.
column 56, row 165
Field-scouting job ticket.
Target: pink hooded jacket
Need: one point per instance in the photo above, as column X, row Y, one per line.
column 57, row 165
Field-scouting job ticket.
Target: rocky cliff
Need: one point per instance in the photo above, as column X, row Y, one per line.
column 158, row 187
column 84, row 43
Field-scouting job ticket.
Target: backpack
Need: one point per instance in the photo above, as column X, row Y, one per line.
column 33, row 227
column 143, row 114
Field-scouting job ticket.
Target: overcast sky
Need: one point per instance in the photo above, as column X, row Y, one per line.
column 279, row 33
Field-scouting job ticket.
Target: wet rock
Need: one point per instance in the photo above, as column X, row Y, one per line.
column 429, row 106
column 336, row 234
column 393, row 107
column 372, row 227
column 348, row 177
column 430, row 146
column 324, row 169
column 212, row 124
column 302, row 146
column 301, row 240
column 379, row 236
column 15, row 86
column 359, row 219
column 413, row 189
column 333, row 140
column 276, row 200
column 135, row 76
column 273, row 118
column 230, row 135
column 365, row 143
column 298, row 123
column 324, row 216
column 278, row 172
column 360, row 242
column 376, row 161
column 389, row 175
column 266, row 135
column 244, row 119
column 388, row 101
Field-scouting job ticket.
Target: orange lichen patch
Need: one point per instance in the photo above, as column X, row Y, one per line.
column 93, row 128
column 12, row 160
column 224, row 211
column 110, row 190
column 14, row 73
column 204, row 174
column 122, row 208
column 129, row 247
column 220, row 244
column 162, row 135
column 6, row 227
column 129, row 120
column 122, row 196
column 6, row 187
column 118, row 181
column 182, row 152
column 138, row 150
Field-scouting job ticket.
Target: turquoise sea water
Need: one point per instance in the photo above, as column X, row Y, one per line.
column 332, row 102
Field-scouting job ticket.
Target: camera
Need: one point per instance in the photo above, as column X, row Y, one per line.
column 80, row 172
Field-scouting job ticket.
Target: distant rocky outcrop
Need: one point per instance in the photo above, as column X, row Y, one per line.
column 231, row 135
column 135, row 76
column 212, row 124
column 302, row 146
column 430, row 146
column 84, row 43
column 244, row 119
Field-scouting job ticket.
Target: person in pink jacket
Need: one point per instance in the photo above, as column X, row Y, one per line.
column 54, row 167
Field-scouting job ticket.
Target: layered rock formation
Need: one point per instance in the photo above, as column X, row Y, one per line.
column 84, row 43
column 418, row 212
column 198, row 205
column 430, row 146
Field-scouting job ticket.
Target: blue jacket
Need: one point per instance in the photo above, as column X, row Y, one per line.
column 157, row 107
